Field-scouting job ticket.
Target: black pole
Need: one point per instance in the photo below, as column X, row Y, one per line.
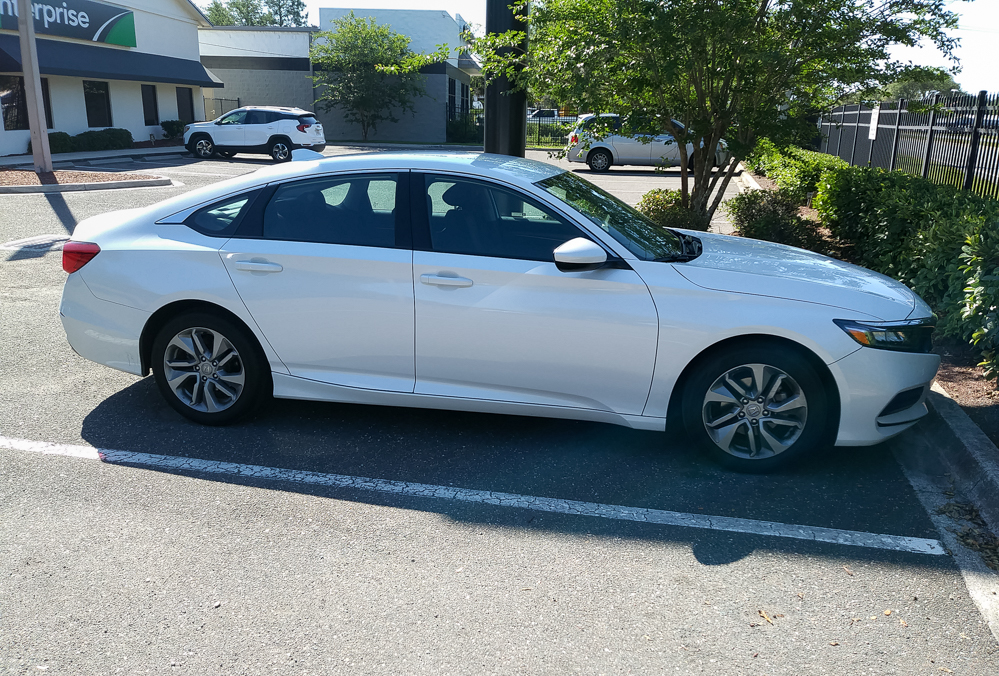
column 506, row 109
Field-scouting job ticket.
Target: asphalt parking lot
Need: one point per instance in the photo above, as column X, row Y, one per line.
column 323, row 538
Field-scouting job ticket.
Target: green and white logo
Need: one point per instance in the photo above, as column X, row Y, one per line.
column 81, row 19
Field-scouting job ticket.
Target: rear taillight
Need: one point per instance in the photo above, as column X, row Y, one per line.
column 77, row 254
column 303, row 127
column 574, row 140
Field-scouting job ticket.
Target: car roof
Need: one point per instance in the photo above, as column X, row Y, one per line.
column 513, row 170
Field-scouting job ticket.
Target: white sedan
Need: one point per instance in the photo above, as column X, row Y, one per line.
column 488, row 283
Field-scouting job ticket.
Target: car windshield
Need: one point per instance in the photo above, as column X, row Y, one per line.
column 625, row 224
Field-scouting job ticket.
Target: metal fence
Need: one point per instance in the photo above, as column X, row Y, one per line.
column 952, row 140
column 216, row 107
column 542, row 132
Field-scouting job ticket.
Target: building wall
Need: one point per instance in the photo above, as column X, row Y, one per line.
column 233, row 41
column 427, row 125
column 264, row 87
column 426, row 28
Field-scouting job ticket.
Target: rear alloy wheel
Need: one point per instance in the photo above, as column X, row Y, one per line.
column 204, row 147
column 599, row 160
column 280, row 151
column 208, row 369
column 756, row 409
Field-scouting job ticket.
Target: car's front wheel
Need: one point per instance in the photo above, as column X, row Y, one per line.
column 599, row 160
column 756, row 408
column 203, row 147
column 209, row 369
column 280, row 151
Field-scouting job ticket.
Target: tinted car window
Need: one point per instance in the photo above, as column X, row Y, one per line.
column 221, row 218
column 234, row 118
column 306, row 119
column 257, row 117
column 479, row 219
column 357, row 210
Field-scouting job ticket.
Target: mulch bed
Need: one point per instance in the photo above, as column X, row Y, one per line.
column 28, row 177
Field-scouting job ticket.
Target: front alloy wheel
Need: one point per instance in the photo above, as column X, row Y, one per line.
column 756, row 408
column 208, row 369
column 204, row 147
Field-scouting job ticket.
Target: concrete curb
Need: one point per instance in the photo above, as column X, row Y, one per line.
column 81, row 158
column 975, row 460
column 77, row 187
column 748, row 182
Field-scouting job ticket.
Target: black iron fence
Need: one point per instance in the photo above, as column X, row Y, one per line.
column 543, row 131
column 216, row 107
column 952, row 140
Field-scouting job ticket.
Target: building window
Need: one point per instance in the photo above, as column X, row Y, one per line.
column 185, row 104
column 451, row 98
column 464, row 99
column 150, row 111
column 14, row 103
column 97, row 98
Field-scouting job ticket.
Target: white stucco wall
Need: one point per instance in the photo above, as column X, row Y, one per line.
column 427, row 28
column 258, row 42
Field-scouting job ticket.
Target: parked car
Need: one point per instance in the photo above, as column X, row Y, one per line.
column 256, row 129
column 479, row 282
column 602, row 141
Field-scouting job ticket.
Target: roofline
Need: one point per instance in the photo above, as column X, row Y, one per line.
column 203, row 19
column 263, row 29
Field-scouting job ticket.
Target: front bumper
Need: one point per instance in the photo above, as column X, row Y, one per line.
column 868, row 381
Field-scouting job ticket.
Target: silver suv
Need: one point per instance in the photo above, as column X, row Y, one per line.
column 647, row 147
column 256, row 129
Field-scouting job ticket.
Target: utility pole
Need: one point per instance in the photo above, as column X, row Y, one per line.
column 33, row 88
column 506, row 108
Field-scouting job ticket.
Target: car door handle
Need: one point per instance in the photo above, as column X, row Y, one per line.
column 439, row 280
column 258, row 266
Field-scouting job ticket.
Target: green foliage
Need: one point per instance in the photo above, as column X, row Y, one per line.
column 772, row 215
column 287, row 12
column 350, row 68
column 219, row 14
column 99, row 139
column 794, row 170
column 665, row 208
column 936, row 239
column 172, row 128
column 732, row 70
column 919, row 84
column 466, row 129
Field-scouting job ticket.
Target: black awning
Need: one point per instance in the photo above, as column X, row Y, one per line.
column 78, row 60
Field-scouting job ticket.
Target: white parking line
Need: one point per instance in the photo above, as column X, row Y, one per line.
column 540, row 504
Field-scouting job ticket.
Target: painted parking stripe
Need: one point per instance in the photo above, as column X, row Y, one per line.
column 535, row 503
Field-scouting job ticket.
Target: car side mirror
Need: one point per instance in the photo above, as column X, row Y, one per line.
column 579, row 255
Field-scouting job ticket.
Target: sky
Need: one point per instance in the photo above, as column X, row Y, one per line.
column 978, row 53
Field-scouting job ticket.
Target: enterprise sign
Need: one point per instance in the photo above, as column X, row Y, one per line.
column 81, row 19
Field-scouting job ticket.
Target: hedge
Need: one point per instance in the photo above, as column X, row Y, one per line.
column 665, row 208
column 795, row 170
column 940, row 241
column 102, row 139
column 772, row 215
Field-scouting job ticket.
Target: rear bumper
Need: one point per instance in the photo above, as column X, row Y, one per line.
column 101, row 331
column 868, row 381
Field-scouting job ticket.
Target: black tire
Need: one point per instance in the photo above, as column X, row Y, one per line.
column 203, row 147
column 214, row 380
column 599, row 160
column 775, row 439
column 280, row 150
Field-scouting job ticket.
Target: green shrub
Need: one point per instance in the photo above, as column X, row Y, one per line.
column 59, row 142
column 794, row 170
column 118, row 139
column 763, row 155
column 933, row 238
column 103, row 139
column 772, row 215
column 172, row 128
column 980, row 311
column 665, row 208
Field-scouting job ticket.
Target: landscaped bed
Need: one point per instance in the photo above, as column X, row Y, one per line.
column 12, row 177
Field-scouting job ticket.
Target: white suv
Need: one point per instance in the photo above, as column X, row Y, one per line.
column 256, row 129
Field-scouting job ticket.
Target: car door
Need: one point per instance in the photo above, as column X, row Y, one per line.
column 229, row 130
column 325, row 269
column 258, row 128
column 632, row 149
column 497, row 320
column 666, row 150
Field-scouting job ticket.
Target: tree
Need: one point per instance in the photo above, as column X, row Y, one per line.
column 920, row 84
column 287, row 12
column 713, row 70
column 219, row 14
column 239, row 13
column 353, row 64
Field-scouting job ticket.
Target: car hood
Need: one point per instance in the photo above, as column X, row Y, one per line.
column 740, row 265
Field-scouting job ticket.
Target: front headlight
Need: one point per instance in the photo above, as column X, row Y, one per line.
column 906, row 336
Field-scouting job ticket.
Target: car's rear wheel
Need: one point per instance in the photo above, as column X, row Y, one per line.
column 756, row 408
column 203, row 147
column 599, row 160
column 280, row 151
column 209, row 369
